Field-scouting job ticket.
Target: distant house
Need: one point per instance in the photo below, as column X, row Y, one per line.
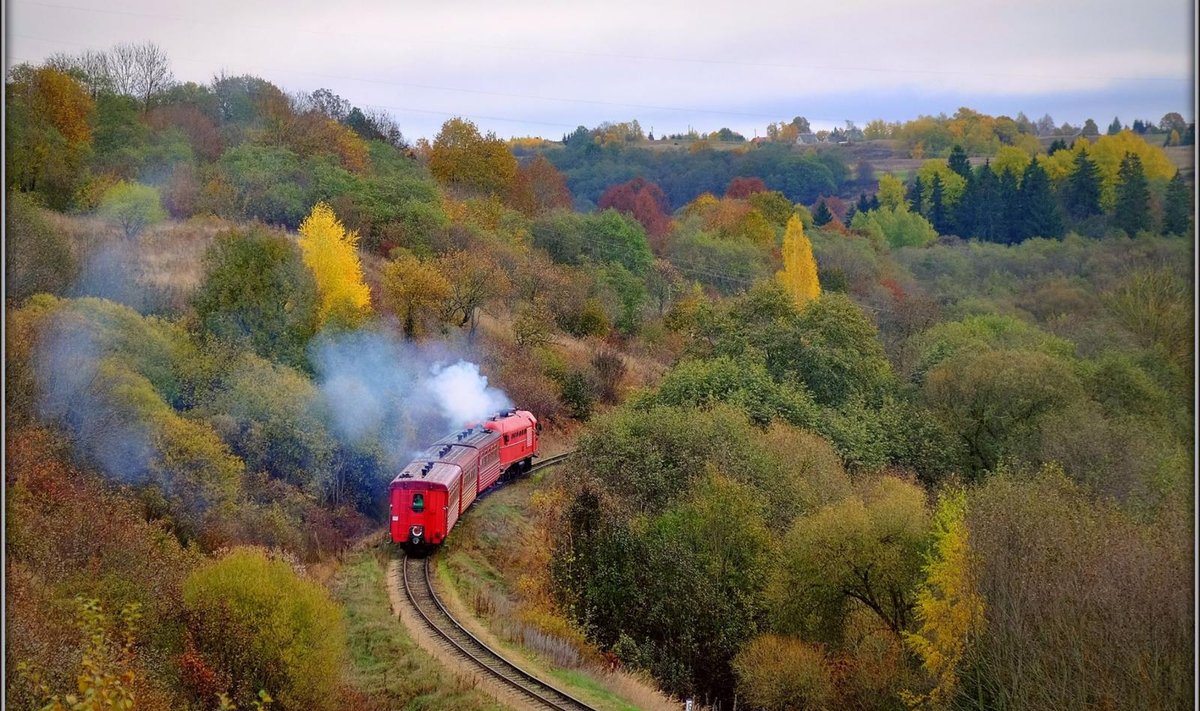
column 807, row 138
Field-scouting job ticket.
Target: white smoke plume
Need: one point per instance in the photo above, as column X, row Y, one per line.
column 377, row 386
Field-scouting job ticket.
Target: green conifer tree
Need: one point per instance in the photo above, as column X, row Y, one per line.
column 1132, row 211
column 1039, row 215
column 1081, row 191
column 937, row 206
column 822, row 215
column 1177, row 211
column 959, row 162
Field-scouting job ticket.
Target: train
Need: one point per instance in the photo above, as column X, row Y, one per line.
column 431, row 492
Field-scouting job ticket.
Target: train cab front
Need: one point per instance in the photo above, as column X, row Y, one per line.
column 418, row 511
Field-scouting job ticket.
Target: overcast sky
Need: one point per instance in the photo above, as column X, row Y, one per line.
column 543, row 68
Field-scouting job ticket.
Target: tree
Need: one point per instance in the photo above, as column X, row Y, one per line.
column 891, row 191
column 959, row 162
column 1046, row 125
column 48, row 132
column 822, row 216
column 937, row 206
column 461, row 157
column 1172, row 121
column 1177, row 211
column 1009, row 212
column 799, row 274
column 257, row 290
column 264, row 628
column 132, row 206
column 475, row 279
column 330, row 253
column 540, row 187
column 915, row 196
column 140, row 71
column 1038, row 215
column 741, row 188
column 1132, row 211
column 1090, row 129
column 415, row 290
column 645, row 202
column 949, row 607
column 1115, row 127
column 898, row 227
column 861, row 550
column 801, row 124
column 1081, row 192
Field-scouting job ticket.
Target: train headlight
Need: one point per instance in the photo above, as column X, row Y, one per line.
column 417, row 531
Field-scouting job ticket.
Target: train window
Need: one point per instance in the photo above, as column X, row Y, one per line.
column 418, row 503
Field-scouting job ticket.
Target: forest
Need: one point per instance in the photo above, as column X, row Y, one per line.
column 890, row 418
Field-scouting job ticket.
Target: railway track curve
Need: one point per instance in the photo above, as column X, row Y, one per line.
column 459, row 642
column 456, row 640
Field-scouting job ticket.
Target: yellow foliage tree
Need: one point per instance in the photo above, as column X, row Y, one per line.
column 949, row 607
column 799, row 274
column 1107, row 153
column 330, row 252
column 891, row 192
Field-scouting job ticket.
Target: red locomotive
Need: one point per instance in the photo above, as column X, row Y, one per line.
column 433, row 490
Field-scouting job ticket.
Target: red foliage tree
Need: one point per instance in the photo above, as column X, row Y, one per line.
column 645, row 202
column 741, row 188
column 539, row 187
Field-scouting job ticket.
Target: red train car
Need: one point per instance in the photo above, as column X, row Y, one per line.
column 432, row 491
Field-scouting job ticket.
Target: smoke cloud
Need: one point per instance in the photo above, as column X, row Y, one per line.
column 376, row 386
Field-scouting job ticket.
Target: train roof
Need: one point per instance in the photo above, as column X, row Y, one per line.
column 427, row 474
column 509, row 421
column 476, row 437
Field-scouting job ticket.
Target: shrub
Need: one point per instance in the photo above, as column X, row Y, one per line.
column 40, row 259
column 132, row 206
column 777, row 673
column 255, row 620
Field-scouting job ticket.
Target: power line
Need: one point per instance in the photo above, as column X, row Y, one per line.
column 358, row 36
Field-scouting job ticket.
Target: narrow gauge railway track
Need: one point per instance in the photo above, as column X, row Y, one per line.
column 460, row 643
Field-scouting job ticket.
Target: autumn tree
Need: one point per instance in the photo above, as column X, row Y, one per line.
column 741, row 188
column 475, row 279
column 863, row 550
column 416, row 291
column 891, row 191
column 48, row 132
column 132, row 207
column 463, row 158
column 330, row 252
column 1132, row 211
column 799, row 273
column 645, row 202
column 539, row 187
column 949, row 608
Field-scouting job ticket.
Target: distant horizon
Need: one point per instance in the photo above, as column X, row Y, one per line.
column 522, row 71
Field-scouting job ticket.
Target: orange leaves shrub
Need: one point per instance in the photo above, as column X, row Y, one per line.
column 646, row 203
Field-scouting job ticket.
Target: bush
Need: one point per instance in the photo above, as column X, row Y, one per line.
column 778, row 673
column 132, row 206
column 40, row 259
column 258, row 624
